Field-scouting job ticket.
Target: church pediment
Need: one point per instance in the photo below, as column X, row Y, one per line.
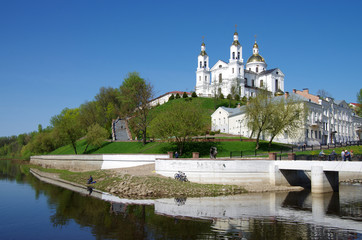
column 275, row 71
column 219, row 64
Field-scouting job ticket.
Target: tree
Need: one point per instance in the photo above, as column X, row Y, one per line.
column 237, row 97
column 184, row 95
column 180, row 123
column 172, row 97
column 108, row 104
column 177, row 96
column 193, row 94
column 287, row 117
column 323, row 93
column 258, row 113
column 135, row 95
column 359, row 101
column 95, row 136
column 244, row 100
column 221, row 96
column 229, row 97
column 68, row 126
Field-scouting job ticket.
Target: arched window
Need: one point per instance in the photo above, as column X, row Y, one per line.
column 199, row 78
column 233, row 55
column 257, row 69
column 205, row 78
column 200, row 64
column 205, row 64
column 276, row 85
column 220, row 78
column 238, row 55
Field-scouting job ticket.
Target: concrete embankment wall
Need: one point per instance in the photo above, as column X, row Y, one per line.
column 94, row 161
column 218, row 171
column 244, row 172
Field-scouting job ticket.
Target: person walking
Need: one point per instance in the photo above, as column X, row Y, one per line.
column 347, row 156
column 351, row 154
column 342, row 155
column 333, row 155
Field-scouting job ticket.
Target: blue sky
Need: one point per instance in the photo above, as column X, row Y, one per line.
column 59, row 53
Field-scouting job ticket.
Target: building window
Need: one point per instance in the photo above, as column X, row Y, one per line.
column 205, row 64
column 256, row 69
column 233, row 70
column 233, row 55
column 311, row 133
column 205, row 78
column 307, row 133
column 220, row 78
column 199, row 78
column 249, row 69
column 252, row 83
column 238, row 55
column 200, row 64
column 315, row 134
column 320, row 135
column 276, row 85
column 246, row 81
column 220, row 66
column 261, row 83
column 239, row 70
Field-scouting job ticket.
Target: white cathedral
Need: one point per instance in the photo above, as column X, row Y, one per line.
column 233, row 78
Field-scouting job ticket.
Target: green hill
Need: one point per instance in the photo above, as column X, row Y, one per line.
column 208, row 105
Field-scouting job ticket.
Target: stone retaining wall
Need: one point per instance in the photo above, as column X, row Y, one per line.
column 80, row 163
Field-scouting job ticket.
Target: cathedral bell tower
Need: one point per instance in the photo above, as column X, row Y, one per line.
column 236, row 66
column 202, row 72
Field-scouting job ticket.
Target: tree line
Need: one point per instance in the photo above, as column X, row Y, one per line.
column 92, row 120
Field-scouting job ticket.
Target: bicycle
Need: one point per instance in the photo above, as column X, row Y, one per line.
column 181, row 176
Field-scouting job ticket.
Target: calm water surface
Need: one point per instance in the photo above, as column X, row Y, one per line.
column 31, row 209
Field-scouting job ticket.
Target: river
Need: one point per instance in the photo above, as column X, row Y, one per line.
column 31, row 209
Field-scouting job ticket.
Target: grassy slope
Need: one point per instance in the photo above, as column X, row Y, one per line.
column 224, row 148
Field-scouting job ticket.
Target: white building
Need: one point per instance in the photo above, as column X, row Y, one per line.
column 328, row 121
column 164, row 98
column 223, row 76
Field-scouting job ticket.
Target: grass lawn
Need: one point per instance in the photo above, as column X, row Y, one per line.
column 224, row 148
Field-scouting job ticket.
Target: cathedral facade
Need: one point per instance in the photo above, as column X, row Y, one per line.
column 234, row 77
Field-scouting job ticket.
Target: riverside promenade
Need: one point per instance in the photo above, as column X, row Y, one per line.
column 320, row 176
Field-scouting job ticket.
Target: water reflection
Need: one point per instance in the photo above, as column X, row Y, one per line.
column 293, row 215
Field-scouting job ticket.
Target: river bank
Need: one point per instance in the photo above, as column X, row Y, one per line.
column 142, row 182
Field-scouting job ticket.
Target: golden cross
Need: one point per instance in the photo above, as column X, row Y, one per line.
column 203, row 38
column 255, row 37
column 235, row 27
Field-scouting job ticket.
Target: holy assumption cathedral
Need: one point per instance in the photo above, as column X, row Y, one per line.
column 235, row 78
